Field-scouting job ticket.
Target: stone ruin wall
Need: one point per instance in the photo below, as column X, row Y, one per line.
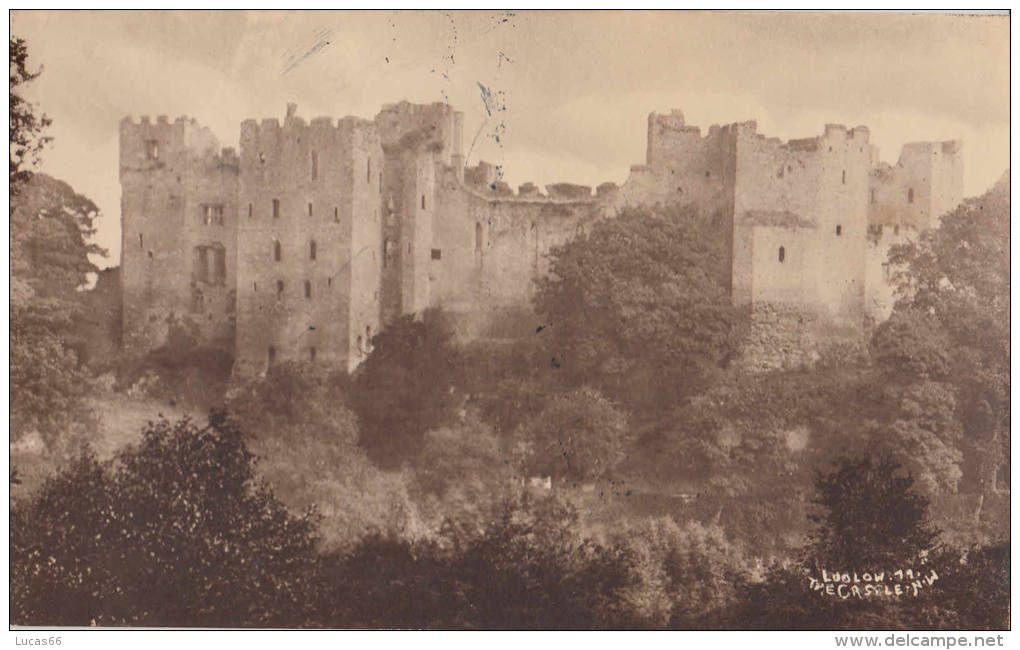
column 904, row 200
column 178, row 233
column 400, row 225
column 490, row 245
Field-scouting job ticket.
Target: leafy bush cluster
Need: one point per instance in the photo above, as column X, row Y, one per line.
column 180, row 531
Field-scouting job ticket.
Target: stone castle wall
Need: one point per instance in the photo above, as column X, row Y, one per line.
column 308, row 244
column 178, row 233
column 320, row 233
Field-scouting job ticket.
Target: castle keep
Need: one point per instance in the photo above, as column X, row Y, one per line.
column 306, row 242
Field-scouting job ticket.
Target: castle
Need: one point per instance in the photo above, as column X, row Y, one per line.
column 306, row 242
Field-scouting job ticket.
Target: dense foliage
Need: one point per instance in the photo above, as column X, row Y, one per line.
column 176, row 531
column 51, row 226
column 405, row 386
column 958, row 274
column 638, row 307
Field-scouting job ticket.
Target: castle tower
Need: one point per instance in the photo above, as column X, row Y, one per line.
column 309, row 244
column 903, row 201
column 178, row 228
column 418, row 142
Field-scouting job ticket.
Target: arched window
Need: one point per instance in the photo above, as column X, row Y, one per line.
column 277, row 250
column 782, row 254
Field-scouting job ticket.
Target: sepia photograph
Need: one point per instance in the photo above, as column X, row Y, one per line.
column 510, row 320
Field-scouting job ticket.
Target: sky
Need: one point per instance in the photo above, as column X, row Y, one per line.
column 577, row 87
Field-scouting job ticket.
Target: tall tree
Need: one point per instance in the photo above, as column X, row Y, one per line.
column 958, row 274
column 405, row 386
column 639, row 306
column 26, row 127
column 51, row 228
column 50, row 243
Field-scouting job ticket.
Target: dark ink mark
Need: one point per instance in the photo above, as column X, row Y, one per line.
column 321, row 41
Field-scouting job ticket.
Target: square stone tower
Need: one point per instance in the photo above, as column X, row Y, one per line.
column 178, row 232
column 309, row 242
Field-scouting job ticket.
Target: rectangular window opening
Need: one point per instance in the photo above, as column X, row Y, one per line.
column 219, row 265
column 279, row 289
column 315, row 165
column 437, row 254
column 152, row 149
column 310, row 210
column 276, row 208
column 839, row 230
column 308, row 289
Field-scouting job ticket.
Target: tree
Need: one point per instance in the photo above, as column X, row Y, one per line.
column 26, row 128
column 871, row 517
column 579, row 436
column 307, row 441
column 51, row 226
column 406, row 386
column 639, row 306
column 175, row 532
column 958, row 275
